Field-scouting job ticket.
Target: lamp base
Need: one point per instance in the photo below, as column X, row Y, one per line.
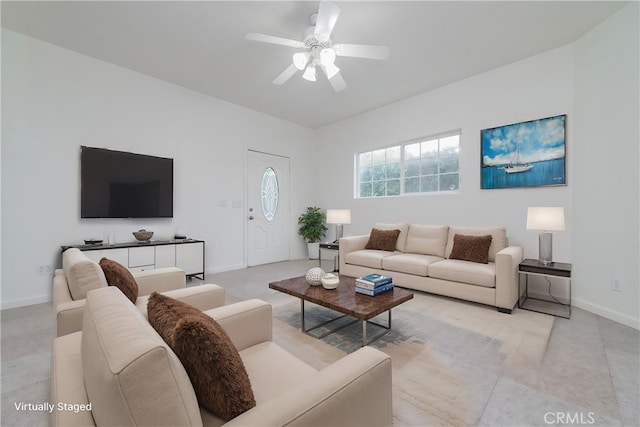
column 338, row 233
column 545, row 248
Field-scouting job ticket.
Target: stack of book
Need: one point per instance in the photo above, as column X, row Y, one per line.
column 373, row 284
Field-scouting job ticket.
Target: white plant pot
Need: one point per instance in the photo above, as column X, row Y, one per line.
column 314, row 249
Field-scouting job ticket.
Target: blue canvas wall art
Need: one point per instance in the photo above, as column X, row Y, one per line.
column 527, row 154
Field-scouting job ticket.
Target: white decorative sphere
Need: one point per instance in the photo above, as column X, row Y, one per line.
column 314, row 276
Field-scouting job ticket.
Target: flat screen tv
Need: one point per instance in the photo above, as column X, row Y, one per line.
column 117, row 184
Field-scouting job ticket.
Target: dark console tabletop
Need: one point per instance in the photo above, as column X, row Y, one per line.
column 132, row 244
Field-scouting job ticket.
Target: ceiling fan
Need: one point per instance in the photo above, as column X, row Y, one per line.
column 318, row 50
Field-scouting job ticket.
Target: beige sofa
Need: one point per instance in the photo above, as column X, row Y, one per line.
column 421, row 262
column 79, row 274
column 119, row 371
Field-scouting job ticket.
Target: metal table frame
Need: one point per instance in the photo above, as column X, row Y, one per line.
column 365, row 342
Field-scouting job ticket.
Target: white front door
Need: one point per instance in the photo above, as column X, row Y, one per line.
column 268, row 208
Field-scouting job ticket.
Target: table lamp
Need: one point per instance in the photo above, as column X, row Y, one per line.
column 546, row 220
column 339, row 217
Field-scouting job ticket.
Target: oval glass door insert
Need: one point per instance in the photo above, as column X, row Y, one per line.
column 269, row 194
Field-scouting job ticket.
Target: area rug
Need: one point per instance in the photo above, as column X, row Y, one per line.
column 447, row 354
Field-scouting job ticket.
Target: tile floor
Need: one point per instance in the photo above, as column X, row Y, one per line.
column 584, row 354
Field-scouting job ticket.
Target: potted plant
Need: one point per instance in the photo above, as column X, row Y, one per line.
column 312, row 228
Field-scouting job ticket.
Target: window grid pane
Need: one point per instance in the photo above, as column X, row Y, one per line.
column 428, row 166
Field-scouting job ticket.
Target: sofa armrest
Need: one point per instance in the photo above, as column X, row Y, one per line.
column 61, row 292
column 69, row 317
column 355, row 390
column 159, row 280
column 202, row 297
column 351, row 244
column 67, row 311
column 507, row 261
column 67, row 382
column 247, row 322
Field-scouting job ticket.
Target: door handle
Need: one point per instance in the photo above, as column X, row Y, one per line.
column 251, row 217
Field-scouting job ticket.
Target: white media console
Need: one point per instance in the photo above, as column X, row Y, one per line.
column 187, row 254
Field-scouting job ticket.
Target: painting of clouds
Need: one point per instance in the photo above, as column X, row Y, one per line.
column 527, row 154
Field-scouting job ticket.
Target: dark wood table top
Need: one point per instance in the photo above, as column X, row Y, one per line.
column 344, row 298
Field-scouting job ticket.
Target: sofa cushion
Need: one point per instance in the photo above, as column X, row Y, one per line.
column 129, row 369
column 498, row 238
column 471, row 248
column 402, row 237
column 119, row 276
column 383, row 240
column 273, row 370
column 427, row 239
column 464, row 272
column 416, row 264
column 83, row 274
column 215, row 368
column 367, row 258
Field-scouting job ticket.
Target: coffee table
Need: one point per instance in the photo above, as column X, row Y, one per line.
column 345, row 300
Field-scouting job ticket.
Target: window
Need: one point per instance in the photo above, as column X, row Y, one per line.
column 423, row 166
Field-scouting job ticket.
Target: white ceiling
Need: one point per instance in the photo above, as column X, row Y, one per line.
column 200, row 45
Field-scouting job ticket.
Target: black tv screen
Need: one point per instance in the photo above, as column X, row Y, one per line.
column 117, row 184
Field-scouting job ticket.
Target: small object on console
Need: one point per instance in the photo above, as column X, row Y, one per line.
column 142, row 235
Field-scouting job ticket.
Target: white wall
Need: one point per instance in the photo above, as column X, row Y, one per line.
column 534, row 88
column 55, row 100
column 606, row 190
column 594, row 82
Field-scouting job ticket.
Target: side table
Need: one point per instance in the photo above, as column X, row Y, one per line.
column 552, row 306
column 336, row 259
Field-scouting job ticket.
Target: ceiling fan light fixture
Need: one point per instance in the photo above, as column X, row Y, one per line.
column 310, row 73
column 301, row 59
column 327, row 56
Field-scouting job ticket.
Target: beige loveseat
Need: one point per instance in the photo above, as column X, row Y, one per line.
column 421, row 262
column 119, row 371
column 79, row 274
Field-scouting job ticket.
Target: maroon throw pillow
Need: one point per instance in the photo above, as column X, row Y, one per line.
column 471, row 248
column 217, row 374
column 383, row 240
column 119, row 276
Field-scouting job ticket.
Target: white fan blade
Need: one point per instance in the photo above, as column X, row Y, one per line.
column 273, row 39
column 362, row 51
column 285, row 75
column 338, row 83
column 327, row 16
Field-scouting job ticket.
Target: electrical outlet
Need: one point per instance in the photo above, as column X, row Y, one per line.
column 44, row 270
column 616, row 285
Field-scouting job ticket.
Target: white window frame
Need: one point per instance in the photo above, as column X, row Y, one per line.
column 401, row 147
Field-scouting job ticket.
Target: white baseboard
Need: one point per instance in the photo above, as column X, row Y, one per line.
column 616, row 316
column 25, row 301
column 225, row 268
column 595, row 309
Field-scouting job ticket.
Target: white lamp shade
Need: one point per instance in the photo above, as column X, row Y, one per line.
column 300, row 59
column 338, row 216
column 310, row 73
column 327, row 56
column 545, row 218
